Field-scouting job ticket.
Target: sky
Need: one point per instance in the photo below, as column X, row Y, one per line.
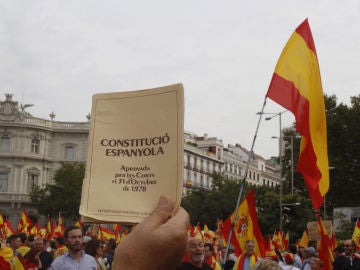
column 56, row 54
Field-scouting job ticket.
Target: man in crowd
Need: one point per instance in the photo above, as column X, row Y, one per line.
column 209, row 257
column 195, row 250
column 309, row 253
column 248, row 259
column 45, row 257
column 75, row 258
column 14, row 242
column 61, row 248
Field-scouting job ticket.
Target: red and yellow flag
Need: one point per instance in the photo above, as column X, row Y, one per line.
column 42, row 232
column 325, row 246
column 6, row 255
column 79, row 223
column 8, row 228
column 304, row 241
column 24, row 222
column 246, row 227
column 117, row 228
column 296, row 85
column 104, row 233
column 356, row 234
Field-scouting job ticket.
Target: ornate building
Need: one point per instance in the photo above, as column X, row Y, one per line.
column 32, row 149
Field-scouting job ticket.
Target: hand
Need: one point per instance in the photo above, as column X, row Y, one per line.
column 156, row 243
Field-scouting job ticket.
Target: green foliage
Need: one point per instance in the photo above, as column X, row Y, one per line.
column 343, row 130
column 62, row 196
column 346, row 227
column 205, row 207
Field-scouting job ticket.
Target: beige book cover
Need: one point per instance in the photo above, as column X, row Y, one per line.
column 135, row 154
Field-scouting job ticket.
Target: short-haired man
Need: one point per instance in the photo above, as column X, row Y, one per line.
column 195, row 250
column 309, row 253
column 75, row 258
column 45, row 257
column 14, row 242
column 209, row 257
column 248, row 259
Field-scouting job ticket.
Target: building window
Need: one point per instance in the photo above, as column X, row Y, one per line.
column 3, row 182
column 35, row 146
column 69, row 152
column 32, row 181
column 5, row 144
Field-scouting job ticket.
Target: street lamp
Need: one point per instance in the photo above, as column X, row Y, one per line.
column 286, row 216
column 292, row 157
column 280, row 155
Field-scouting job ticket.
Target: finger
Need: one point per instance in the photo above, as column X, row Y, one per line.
column 181, row 219
column 158, row 216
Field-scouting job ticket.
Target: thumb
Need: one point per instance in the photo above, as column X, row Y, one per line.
column 158, row 216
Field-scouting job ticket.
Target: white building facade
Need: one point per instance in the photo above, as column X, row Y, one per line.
column 31, row 150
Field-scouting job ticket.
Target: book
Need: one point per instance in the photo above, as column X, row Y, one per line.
column 135, row 154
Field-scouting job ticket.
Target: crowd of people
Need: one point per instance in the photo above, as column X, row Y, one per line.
column 159, row 242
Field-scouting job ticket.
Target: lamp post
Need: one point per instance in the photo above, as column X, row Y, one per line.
column 292, row 157
column 287, row 204
column 280, row 155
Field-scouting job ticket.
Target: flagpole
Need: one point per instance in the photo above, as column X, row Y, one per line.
column 243, row 182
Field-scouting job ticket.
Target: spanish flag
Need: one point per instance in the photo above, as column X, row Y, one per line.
column 325, row 245
column 356, row 234
column 296, row 85
column 304, row 241
column 246, row 227
column 8, row 228
column 104, row 233
column 24, row 222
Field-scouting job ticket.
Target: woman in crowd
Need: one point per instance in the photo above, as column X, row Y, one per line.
column 95, row 248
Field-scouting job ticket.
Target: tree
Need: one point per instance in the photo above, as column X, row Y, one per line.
column 343, row 146
column 208, row 206
column 343, row 133
column 62, row 196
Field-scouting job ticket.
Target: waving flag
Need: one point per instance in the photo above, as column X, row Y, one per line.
column 104, row 233
column 325, row 246
column 24, row 222
column 304, row 241
column 356, row 234
column 296, row 85
column 246, row 227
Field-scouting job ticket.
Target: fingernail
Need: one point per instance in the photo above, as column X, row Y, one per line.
column 163, row 202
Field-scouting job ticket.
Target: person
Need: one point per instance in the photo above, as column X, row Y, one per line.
column 17, row 262
column 349, row 247
column 296, row 253
column 158, row 242
column 309, row 253
column 209, row 257
column 23, row 247
column 39, row 253
column 229, row 262
column 109, row 252
column 315, row 263
column 195, row 250
column 266, row 264
column 75, row 257
column 61, row 248
column 341, row 261
column 95, row 248
column 289, row 262
column 248, row 259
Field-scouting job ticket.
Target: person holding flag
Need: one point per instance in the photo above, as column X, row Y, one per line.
column 248, row 259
